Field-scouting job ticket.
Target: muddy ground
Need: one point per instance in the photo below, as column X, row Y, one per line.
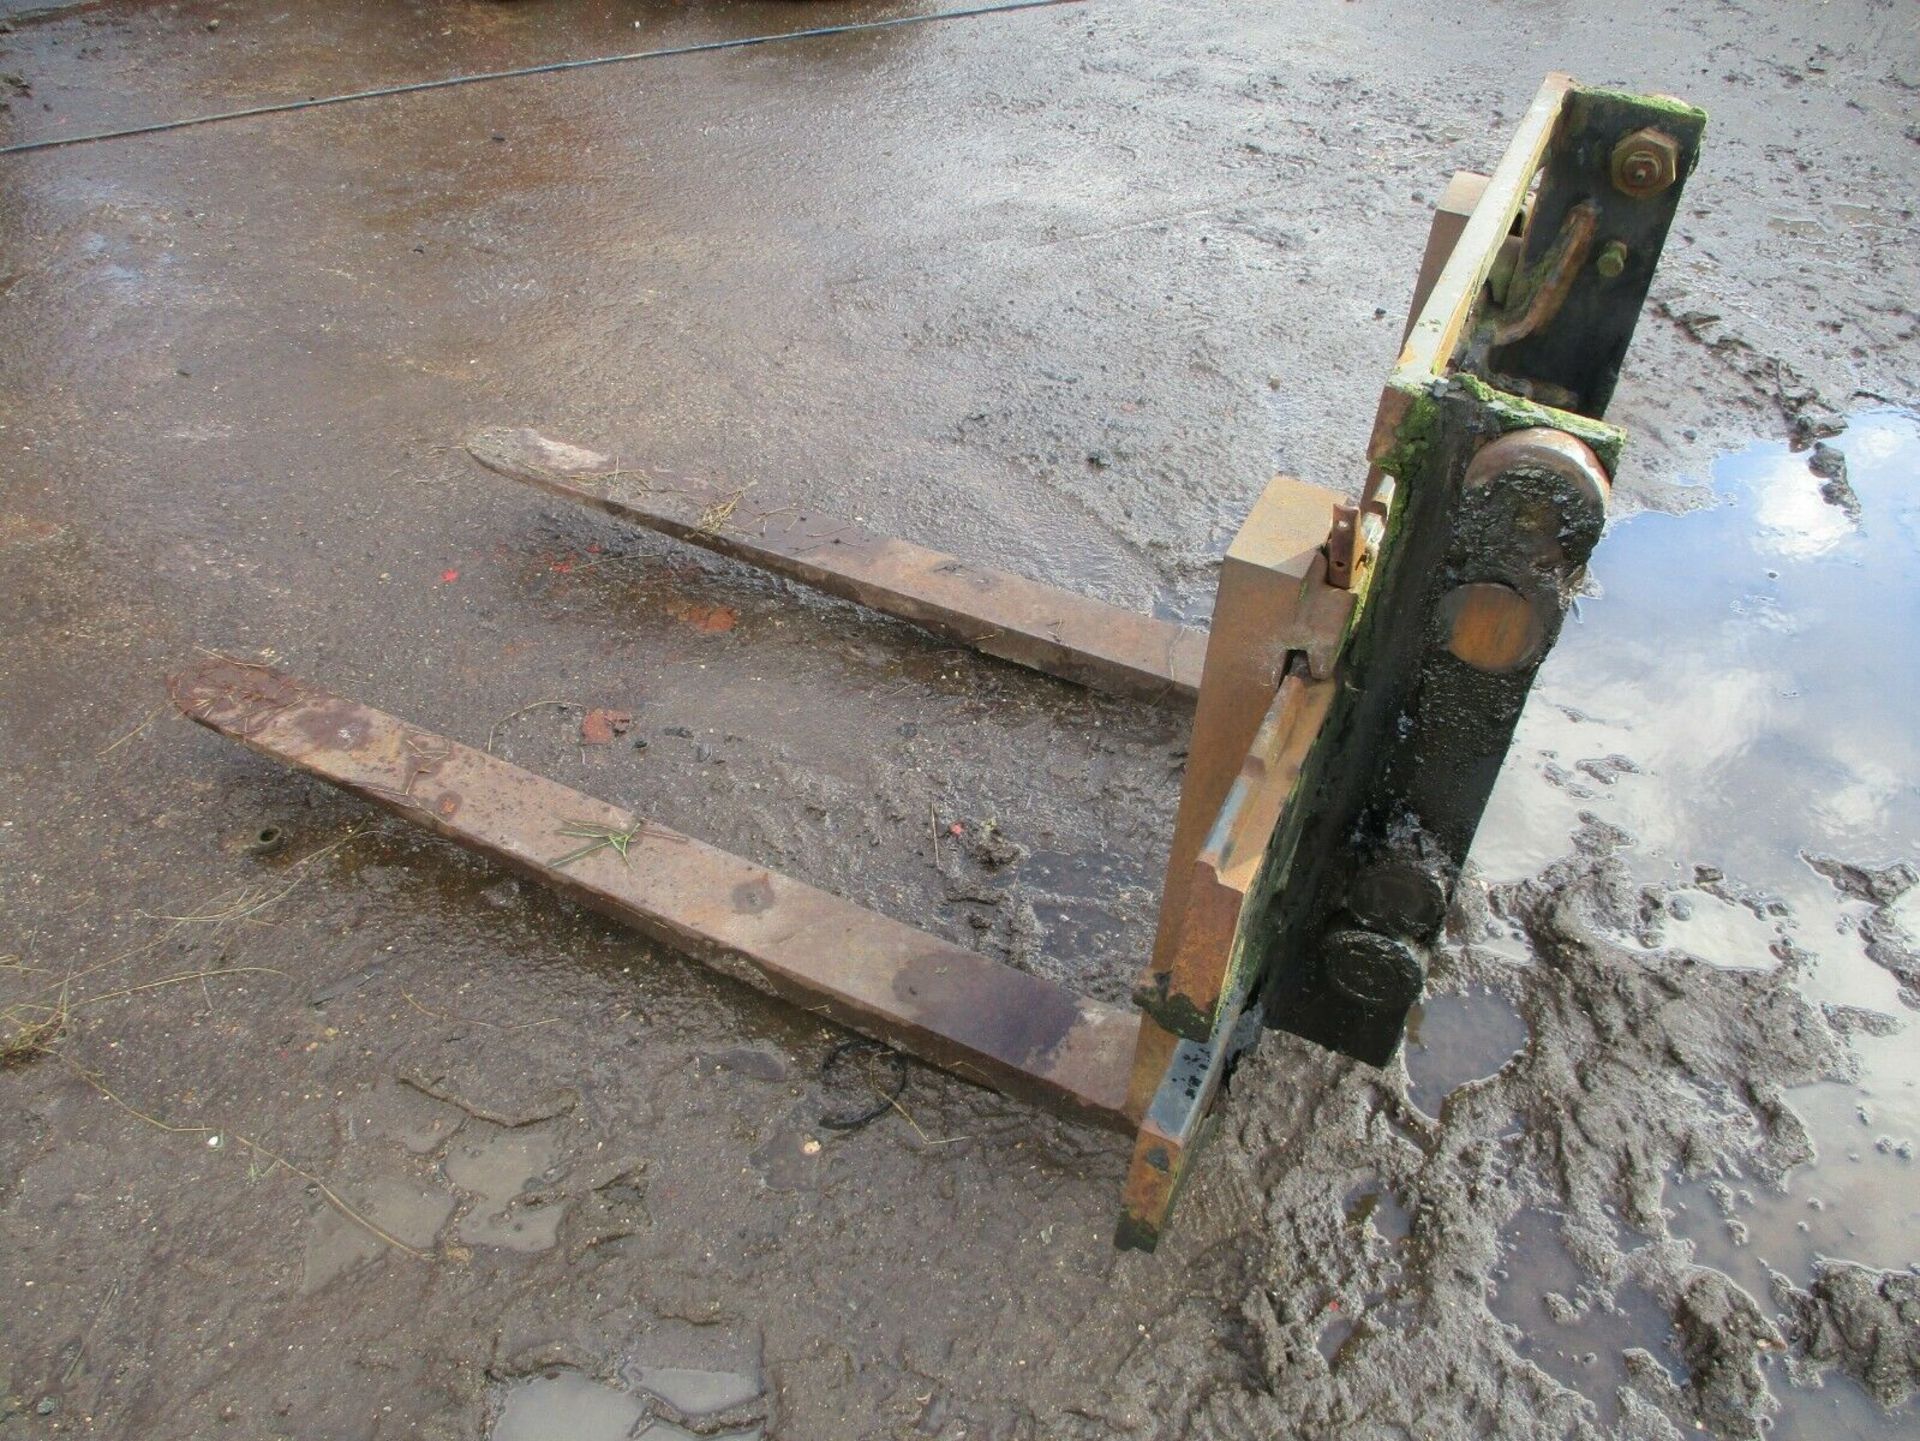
column 354, row 1137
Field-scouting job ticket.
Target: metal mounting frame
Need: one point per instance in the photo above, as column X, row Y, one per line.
column 1354, row 695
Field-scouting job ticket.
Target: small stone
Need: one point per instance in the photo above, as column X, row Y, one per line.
column 47, row 1406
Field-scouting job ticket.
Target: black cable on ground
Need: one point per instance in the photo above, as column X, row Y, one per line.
column 447, row 82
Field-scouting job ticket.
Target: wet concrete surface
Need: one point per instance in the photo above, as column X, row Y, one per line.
column 1055, row 291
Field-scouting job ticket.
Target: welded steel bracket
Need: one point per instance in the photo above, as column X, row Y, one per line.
column 1354, row 695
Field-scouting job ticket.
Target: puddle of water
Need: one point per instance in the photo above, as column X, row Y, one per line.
column 1454, row 1039
column 1858, row 1202
column 1731, row 935
column 1333, row 1339
column 698, row 1393
column 702, row 1372
column 1573, row 1334
column 496, row 1166
column 1758, row 660
column 406, row 1209
column 1840, row 1410
column 1375, row 1206
column 1371, row 1203
column 567, row 1407
column 1757, row 665
column 1073, row 898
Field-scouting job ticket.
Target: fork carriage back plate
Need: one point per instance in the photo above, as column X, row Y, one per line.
column 1354, row 696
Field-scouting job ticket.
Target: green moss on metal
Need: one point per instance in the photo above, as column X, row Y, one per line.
column 1176, row 1013
column 1665, row 104
column 1182, row 1014
column 1419, row 428
column 1513, row 412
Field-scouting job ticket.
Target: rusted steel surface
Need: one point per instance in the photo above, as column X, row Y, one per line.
column 960, row 1010
column 1172, row 1131
column 1617, row 166
column 1243, row 862
column 1448, row 307
column 1272, row 600
column 1206, row 955
column 1020, row 620
column 1450, row 216
column 1248, row 856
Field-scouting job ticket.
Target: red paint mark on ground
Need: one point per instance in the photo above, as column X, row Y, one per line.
column 602, row 725
column 448, row 577
column 711, row 619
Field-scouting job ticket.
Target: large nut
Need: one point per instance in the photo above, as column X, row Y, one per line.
column 1645, row 163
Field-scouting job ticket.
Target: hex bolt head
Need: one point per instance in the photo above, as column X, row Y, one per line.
column 1645, row 163
column 1613, row 259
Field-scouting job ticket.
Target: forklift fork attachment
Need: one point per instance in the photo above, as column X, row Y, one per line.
column 1354, row 697
column 963, row 1011
column 999, row 614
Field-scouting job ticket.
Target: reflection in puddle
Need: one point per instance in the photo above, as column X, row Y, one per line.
column 1756, row 666
column 1728, row 933
column 1371, row 1203
column 1573, row 1333
column 566, row 1407
column 1454, row 1039
column 1753, row 738
column 1858, row 1202
column 408, row 1210
column 497, row 1167
column 1840, row 1410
